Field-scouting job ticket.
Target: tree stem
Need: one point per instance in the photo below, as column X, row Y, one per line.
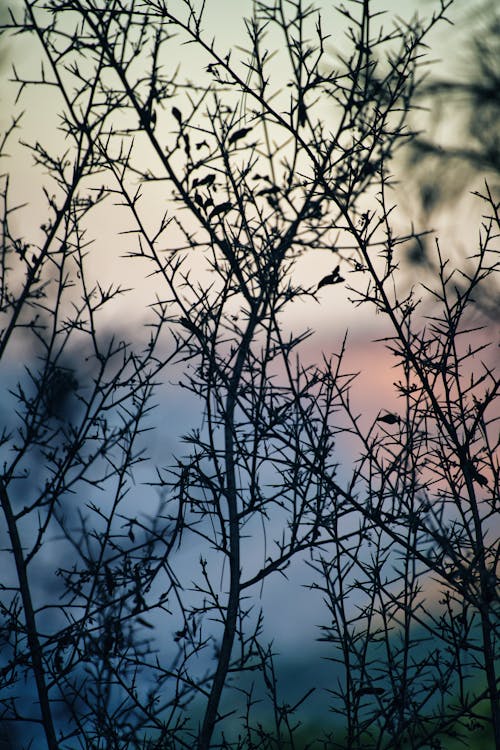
column 31, row 629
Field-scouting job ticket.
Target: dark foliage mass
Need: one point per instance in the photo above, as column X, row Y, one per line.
column 169, row 452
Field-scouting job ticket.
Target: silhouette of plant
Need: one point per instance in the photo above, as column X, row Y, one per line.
column 132, row 603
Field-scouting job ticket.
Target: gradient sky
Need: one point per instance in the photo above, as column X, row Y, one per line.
column 334, row 314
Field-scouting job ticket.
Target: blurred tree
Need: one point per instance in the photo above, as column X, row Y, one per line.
column 458, row 146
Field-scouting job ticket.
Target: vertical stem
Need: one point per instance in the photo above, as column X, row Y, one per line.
column 230, row 623
column 210, row 717
column 489, row 665
column 484, row 607
column 31, row 629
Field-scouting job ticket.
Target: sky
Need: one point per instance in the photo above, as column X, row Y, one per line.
column 224, row 20
column 333, row 314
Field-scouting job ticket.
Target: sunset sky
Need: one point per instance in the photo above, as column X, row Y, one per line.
column 333, row 314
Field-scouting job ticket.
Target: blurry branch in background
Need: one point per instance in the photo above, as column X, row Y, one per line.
column 468, row 104
column 128, row 625
column 459, row 146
